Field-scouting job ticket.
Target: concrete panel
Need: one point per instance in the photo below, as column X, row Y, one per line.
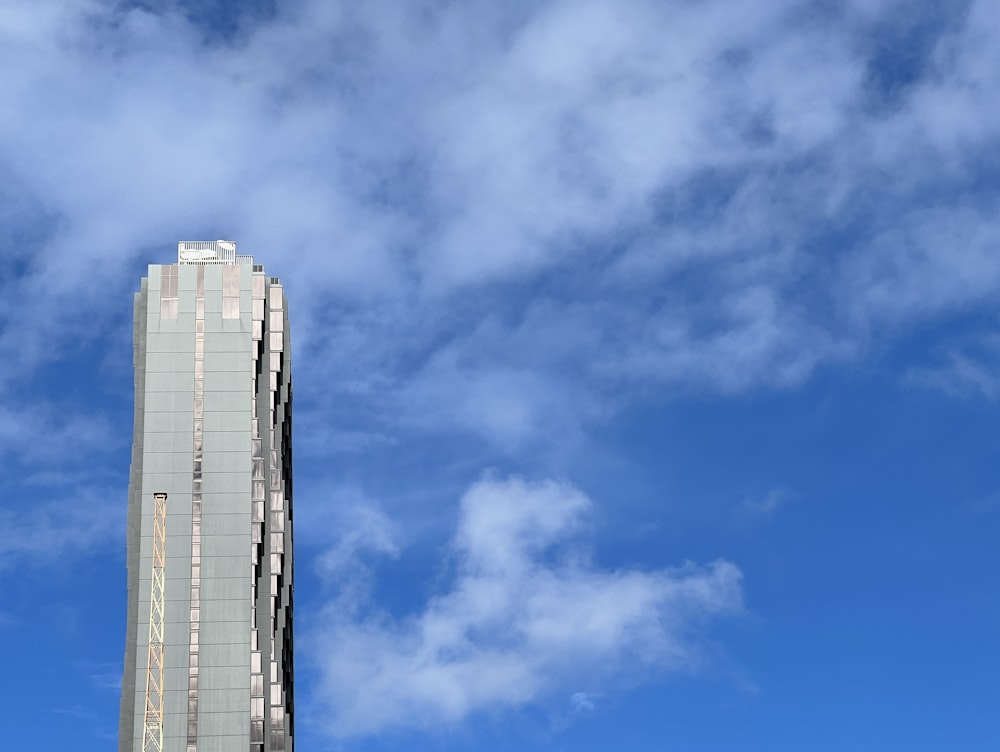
column 225, row 655
column 225, row 524
column 237, row 380
column 175, row 654
column 237, row 325
column 228, row 342
column 174, row 723
column 169, row 362
column 169, row 422
column 236, row 503
column 238, row 401
column 225, row 633
column 175, row 713
column 231, row 610
column 178, row 544
column 185, row 303
column 228, row 588
column 227, row 421
column 227, row 545
column 213, row 322
column 213, row 300
column 225, row 566
column 228, row 462
column 226, row 677
column 171, row 381
column 225, row 743
column 174, row 678
column 223, row 701
column 170, row 342
column 232, row 359
column 224, row 727
column 226, row 482
column 187, row 277
column 230, row 441
column 163, row 441
column 164, row 326
column 167, row 462
column 169, row 402
column 213, row 278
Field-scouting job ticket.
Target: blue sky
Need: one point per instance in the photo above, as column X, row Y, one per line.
column 646, row 358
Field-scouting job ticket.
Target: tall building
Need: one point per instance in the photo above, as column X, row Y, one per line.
column 208, row 656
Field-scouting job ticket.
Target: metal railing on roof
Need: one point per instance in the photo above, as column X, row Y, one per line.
column 210, row 252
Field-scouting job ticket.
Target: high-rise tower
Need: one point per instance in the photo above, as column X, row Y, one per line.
column 208, row 656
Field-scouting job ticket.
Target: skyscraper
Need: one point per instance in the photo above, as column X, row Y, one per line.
column 208, row 656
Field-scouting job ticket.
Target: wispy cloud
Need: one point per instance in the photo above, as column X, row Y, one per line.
column 583, row 702
column 967, row 370
column 525, row 614
column 77, row 522
column 44, row 436
column 362, row 529
column 768, row 505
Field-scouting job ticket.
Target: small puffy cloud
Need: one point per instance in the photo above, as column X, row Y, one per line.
column 526, row 614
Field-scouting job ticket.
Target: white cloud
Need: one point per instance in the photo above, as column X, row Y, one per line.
column 527, row 613
column 424, row 175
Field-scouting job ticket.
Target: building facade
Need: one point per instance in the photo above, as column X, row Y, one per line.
column 208, row 659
